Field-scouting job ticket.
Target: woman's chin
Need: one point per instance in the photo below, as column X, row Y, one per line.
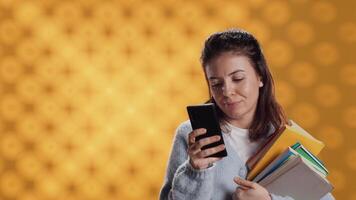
column 234, row 115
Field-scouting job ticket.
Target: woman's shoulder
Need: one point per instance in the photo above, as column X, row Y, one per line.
column 182, row 131
column 272, row 129
column 184, row 128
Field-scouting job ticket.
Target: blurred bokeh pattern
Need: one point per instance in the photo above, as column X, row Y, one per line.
column 91, row 91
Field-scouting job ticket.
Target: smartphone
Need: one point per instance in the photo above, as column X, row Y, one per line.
column 204, row 116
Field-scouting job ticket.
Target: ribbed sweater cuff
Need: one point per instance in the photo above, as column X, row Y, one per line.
column 199, row 173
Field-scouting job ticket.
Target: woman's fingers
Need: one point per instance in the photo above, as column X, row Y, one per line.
column 244, row 183
column 250, row 190
column 237, row 194
column 210, row 151
column 199, row 158
column 195, row 147
column 206, row 141
column 196, row 152
column 194, row 134
column 241, row 187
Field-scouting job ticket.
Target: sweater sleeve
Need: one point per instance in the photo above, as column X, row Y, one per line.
column 328, row 196
column 183, row 181
column 276, row 197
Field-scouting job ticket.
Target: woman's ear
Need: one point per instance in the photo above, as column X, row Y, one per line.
column 260, row 84
column 261, row 81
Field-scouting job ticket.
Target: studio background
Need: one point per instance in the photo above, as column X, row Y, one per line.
column 91, row 91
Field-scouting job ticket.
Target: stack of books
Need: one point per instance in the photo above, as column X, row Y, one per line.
column 287, row 165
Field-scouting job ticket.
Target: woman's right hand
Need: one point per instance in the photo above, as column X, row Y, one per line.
column 198, row 158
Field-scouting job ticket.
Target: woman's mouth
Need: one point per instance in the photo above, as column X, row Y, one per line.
column 232, row 104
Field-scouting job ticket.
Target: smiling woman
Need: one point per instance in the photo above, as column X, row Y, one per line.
column 241, row 87
column 251, row 86
column 234, row 86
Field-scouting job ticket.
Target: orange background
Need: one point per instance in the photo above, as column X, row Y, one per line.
column 91, row 91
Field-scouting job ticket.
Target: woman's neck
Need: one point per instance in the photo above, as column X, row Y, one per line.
column 240, row 123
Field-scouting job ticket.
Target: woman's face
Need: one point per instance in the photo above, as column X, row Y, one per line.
column 234, row 84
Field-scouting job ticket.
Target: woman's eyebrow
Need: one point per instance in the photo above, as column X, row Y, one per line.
column 234, row 72
column 230, row 74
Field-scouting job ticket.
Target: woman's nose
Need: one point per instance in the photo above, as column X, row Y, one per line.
column 228, row 90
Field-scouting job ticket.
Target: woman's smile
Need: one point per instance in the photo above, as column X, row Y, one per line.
column 232, row 105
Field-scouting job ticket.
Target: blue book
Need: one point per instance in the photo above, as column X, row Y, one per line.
column 295, row 150
column 275, row 164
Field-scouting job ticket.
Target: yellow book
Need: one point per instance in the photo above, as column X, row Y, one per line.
column 278, row 143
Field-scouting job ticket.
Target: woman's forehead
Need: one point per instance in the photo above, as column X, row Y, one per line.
column 227, row 64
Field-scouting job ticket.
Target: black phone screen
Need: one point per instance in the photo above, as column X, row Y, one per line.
column 204, row 116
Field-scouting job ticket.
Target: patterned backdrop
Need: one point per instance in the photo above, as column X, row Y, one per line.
column 91, row 91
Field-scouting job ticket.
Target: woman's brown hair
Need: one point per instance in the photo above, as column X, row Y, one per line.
column 269, row 115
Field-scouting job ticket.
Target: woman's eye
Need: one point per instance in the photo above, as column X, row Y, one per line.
column 237, row 79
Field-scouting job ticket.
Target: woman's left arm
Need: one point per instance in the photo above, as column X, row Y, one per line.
column 249, row 190
column 328, row 196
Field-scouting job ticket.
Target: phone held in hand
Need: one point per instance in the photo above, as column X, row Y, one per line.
column 204, row 116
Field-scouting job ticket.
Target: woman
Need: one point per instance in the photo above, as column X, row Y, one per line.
column 241, row 87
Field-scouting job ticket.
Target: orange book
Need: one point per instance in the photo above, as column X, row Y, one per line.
column 277, row 144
